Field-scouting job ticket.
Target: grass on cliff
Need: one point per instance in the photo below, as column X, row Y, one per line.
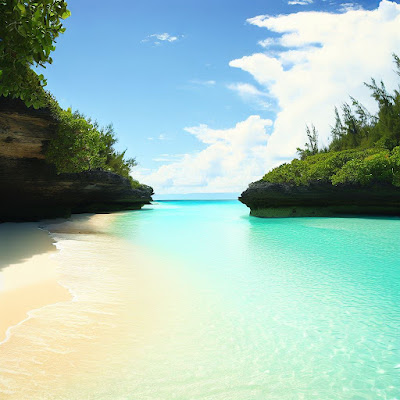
column 364, row 149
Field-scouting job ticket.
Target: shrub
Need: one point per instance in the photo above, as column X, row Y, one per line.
column 374, row 168
column 78, row 145
column 319, row 167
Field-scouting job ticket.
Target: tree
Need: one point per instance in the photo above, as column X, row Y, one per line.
column 81, row 145
column 387, row 127
column 311, row 147
column 28, row 31
column 114, row 161
column 337, row 131
column 78, row 145
column 357, row 128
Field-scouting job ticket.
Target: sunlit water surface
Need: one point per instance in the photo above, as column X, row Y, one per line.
column 197, row 300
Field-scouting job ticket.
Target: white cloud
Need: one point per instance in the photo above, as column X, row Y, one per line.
column 168, row 157
column 245, row 89
column 350, row 6
column 300, row 2
column 251, row 94
column 268, row 42
column 326, row 57
column 203, row 83
column 266, row 68
column 231, row 159
column 158, row 38
column 161, row 136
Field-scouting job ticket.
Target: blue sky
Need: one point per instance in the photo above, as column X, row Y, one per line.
column 111, row 66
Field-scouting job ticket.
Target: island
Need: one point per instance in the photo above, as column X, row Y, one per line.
column 320, row 199
column 358, row 173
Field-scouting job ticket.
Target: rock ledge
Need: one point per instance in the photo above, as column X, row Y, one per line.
column 31, row 189
column 268, row 200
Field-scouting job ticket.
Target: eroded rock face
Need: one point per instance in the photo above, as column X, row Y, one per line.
column 24, row 132
column 267, row 199
column 31, row 189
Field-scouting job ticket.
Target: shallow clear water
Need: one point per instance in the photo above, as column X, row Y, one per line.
column 197, row 300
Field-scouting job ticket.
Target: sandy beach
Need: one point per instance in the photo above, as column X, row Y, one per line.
column 28, row 276
column 122, row 298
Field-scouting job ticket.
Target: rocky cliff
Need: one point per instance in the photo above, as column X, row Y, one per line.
column 31, row 189
column 320, row 199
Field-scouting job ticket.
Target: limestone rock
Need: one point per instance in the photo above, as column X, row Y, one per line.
column 31, row 189
column 267, row 199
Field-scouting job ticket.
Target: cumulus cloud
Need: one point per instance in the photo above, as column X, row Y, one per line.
column 325, row 57
column 265, row 69
column 232, row 158
column 268, row 42
column 245, row 89
column 158, row 38
column 321, row 58
column 250, row 93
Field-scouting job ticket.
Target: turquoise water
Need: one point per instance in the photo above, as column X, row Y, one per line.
column 275, row 309
column 189, row 300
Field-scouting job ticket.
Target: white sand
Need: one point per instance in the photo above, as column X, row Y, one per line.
column 28, row 276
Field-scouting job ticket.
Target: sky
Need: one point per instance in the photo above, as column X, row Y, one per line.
column 210, row 95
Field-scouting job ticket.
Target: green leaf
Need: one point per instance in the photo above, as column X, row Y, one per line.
column 37, row 15
column 21, row 8
column 66, row 14
column 22, row 31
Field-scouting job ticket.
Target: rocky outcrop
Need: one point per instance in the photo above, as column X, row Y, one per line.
column 267, row 199
column 31, row 189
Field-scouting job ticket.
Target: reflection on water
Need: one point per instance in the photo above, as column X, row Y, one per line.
column 196, row 300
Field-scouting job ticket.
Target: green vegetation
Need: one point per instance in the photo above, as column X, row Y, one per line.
column 364, row 149
column 361, row 166
column 81, row 144
column 28, row 31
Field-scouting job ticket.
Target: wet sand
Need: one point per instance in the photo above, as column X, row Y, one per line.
column 123, row 300
column 28, row 275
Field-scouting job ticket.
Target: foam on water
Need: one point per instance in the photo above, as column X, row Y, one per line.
column 196, row 300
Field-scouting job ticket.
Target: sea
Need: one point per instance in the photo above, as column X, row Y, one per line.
column 197, row 300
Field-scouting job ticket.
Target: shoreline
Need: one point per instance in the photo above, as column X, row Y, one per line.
column 122, row 298
column 28, row 274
